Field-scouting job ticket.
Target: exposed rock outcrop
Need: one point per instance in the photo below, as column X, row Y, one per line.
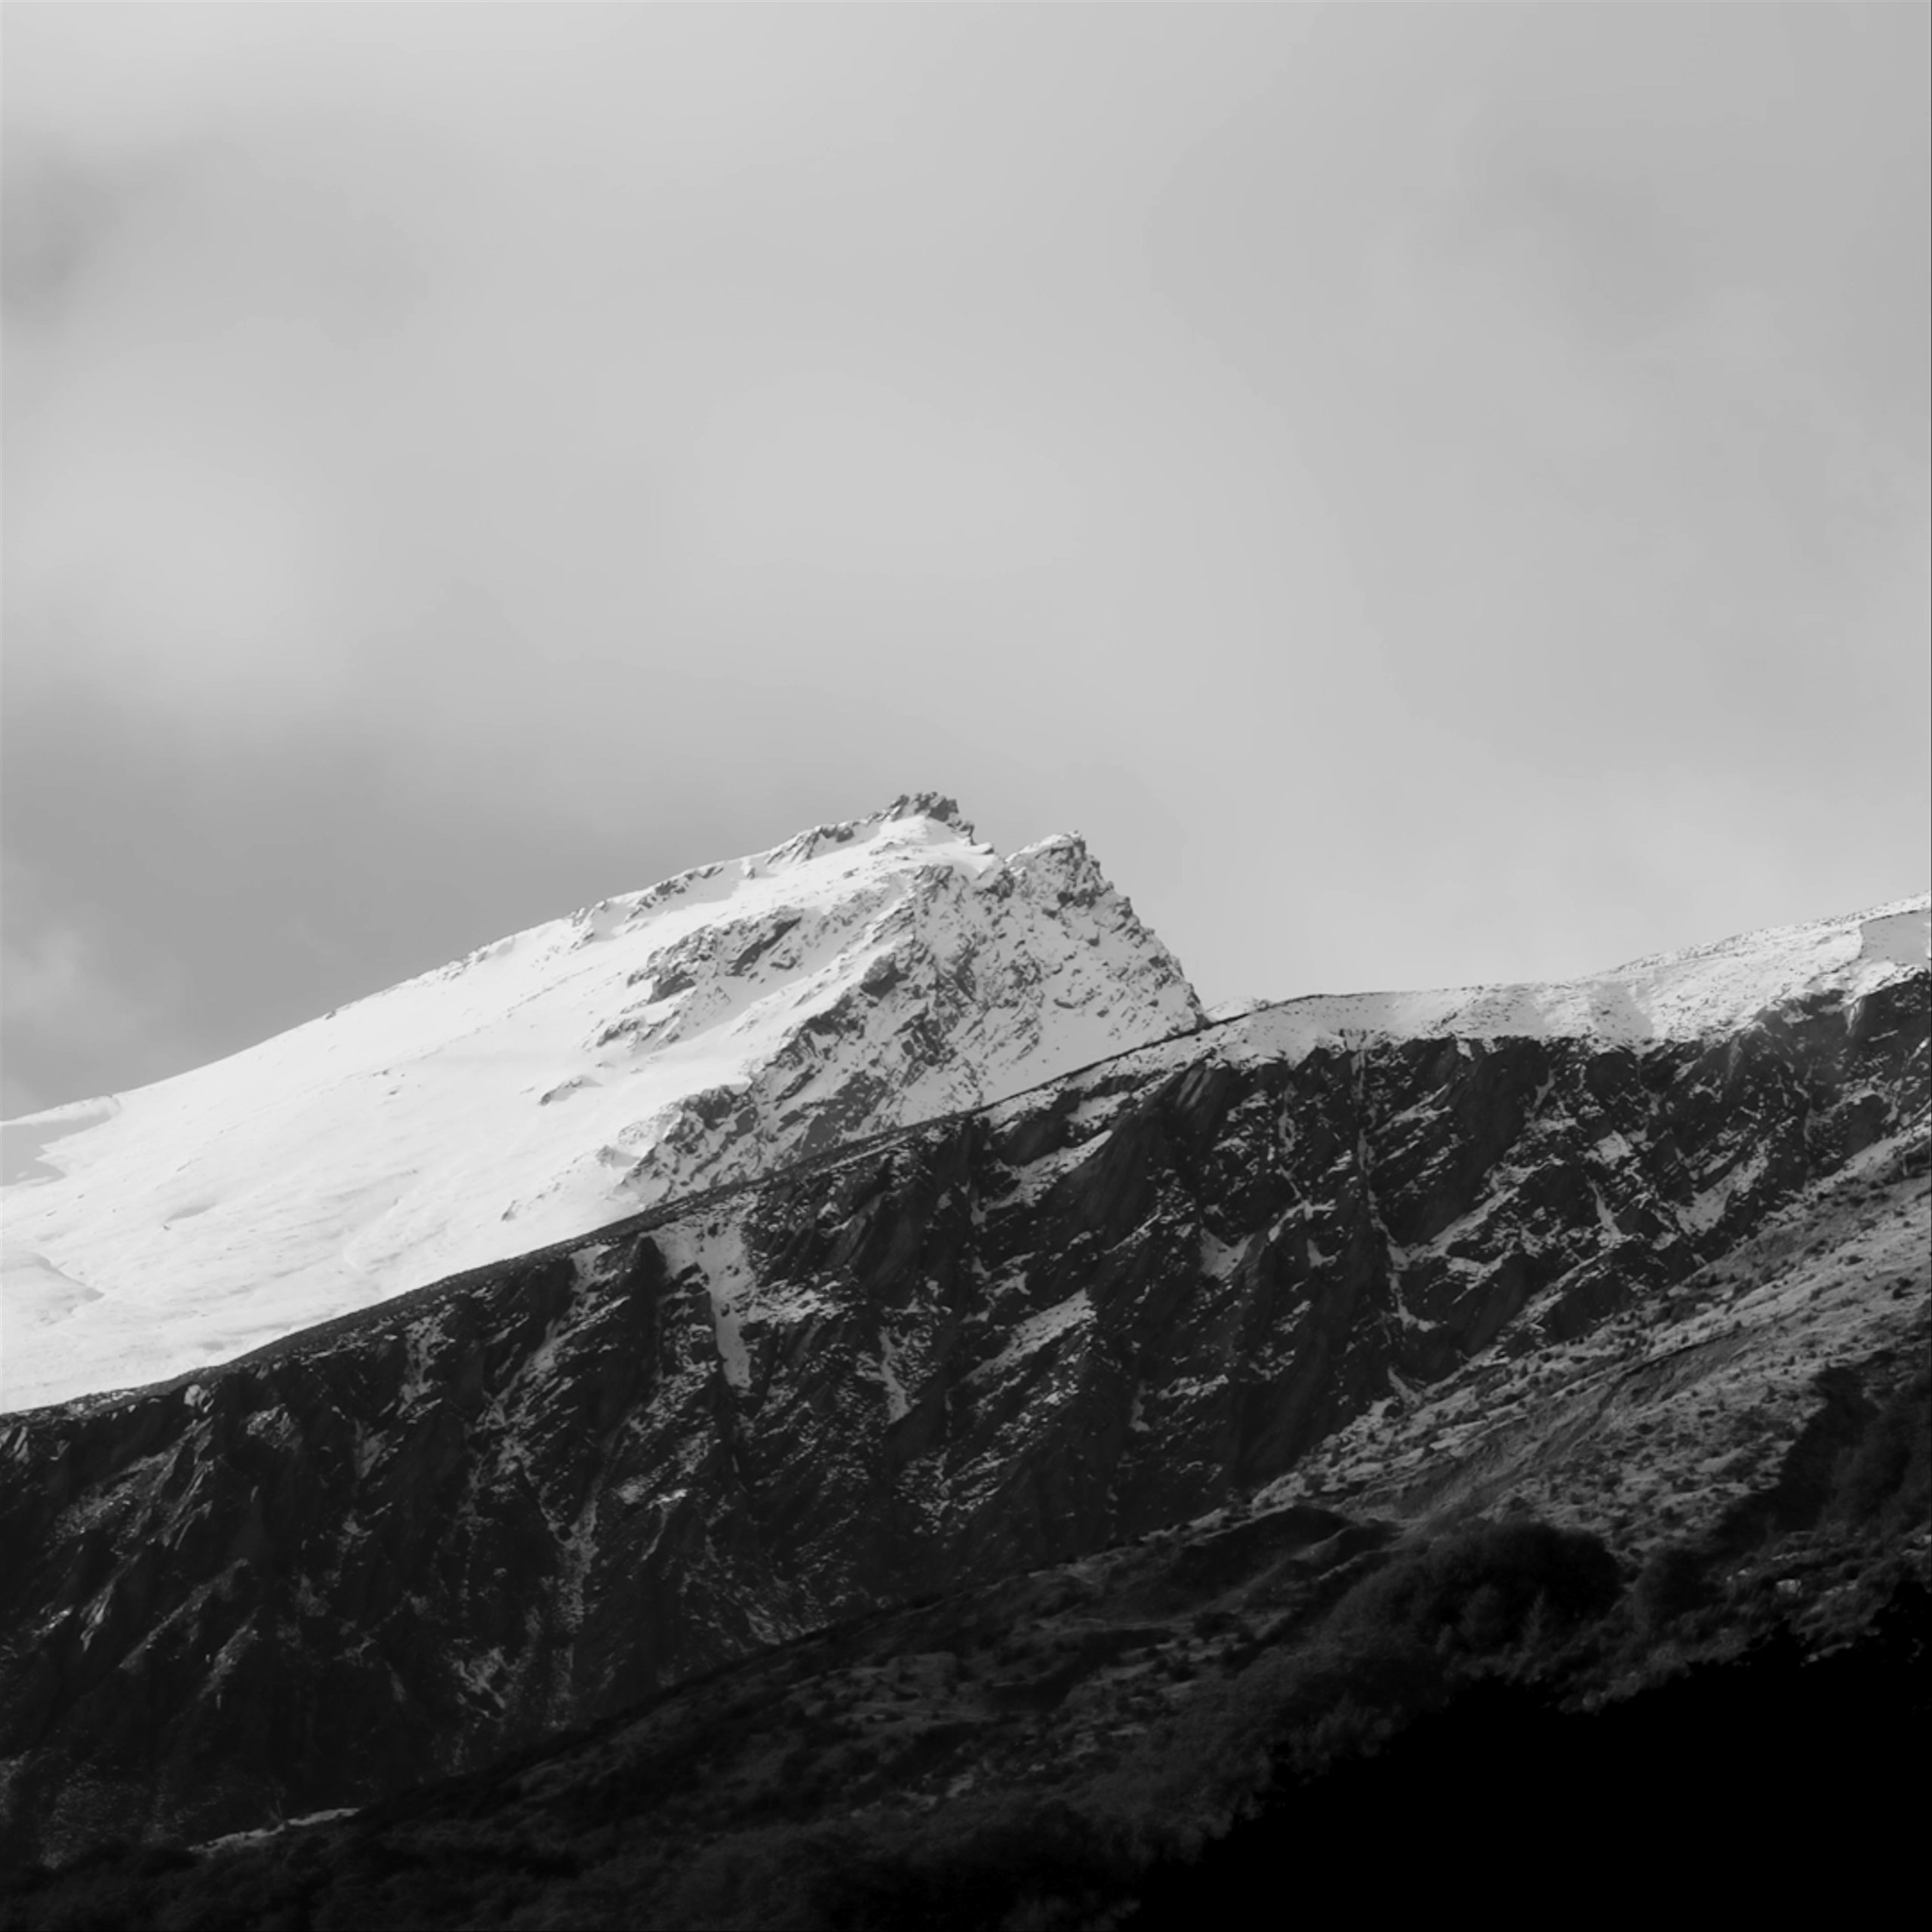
column 398, row 1544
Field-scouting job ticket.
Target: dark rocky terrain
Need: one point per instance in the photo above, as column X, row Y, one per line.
column 1661, row 1293
column 1229, row 1719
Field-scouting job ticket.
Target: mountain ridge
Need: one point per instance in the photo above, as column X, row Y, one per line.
column 854, row 977
column 1496, row 1009
column 1149, row 1289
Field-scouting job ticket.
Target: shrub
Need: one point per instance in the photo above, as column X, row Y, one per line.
column 1486, row 1587
column 970, row 1866
column 1676, row 1581
column 1886, row 1479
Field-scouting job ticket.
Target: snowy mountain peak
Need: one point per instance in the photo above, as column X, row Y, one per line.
column 928, row 804
column 860, row 976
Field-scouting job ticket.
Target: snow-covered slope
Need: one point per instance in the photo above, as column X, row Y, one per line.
column 859, row 976
column 1702, row 992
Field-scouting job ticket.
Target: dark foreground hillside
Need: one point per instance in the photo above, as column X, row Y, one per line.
column 1237, row 1728
column 1769, row 1782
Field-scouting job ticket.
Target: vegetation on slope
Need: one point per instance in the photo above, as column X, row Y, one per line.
column 1156, row 1732
column 1269, row 1703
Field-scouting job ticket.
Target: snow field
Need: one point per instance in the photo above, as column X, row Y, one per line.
column 858, row 977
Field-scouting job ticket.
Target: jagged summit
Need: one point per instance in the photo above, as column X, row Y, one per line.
column 859, row 976
column 931, row 808
column 928, row 804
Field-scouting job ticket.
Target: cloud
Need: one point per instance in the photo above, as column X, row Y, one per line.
column 19, row 1096
column 462, row 461
column 54, row 981
column 846, row 476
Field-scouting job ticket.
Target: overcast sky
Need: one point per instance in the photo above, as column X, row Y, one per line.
column 1436, row 495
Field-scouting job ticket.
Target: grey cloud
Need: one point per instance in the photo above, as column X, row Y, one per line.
column 1433, row 493
column 55, row 217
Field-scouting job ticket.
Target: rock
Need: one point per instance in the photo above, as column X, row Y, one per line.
column 398, row 1544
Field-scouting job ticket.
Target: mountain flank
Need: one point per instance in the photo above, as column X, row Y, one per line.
column 1157, row 1732
column 720, row 1024
column 1649, row 1271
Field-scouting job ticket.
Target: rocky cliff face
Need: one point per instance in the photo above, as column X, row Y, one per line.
column 398, row 1544
column 859, row 976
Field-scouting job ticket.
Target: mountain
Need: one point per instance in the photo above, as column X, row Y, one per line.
column 1643, row 1255
column 857, row 978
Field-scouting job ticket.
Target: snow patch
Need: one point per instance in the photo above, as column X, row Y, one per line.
column 591, row 1265
column 1606, row 1220
column 715, row 1252
column 1036, row 1331
column 230, row 1839
column 1708, row 1208
column 1218, row 1260
column 887, row 1373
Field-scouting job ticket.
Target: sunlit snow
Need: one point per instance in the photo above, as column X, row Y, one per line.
column 1703, row 992
column 858, row 977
